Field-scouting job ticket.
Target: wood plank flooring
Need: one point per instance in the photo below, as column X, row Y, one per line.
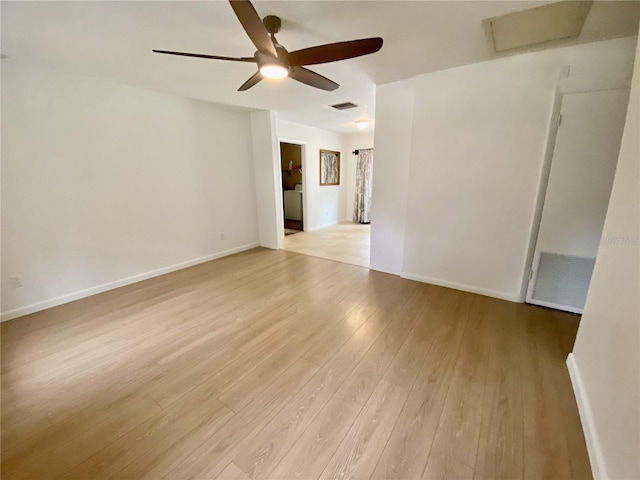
column 272, row 364
column 346, row 242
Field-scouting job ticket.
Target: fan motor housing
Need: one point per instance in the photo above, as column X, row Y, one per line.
column 272, row 23
column 266, row 59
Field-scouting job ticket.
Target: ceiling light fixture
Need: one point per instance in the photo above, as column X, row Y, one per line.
column 274, row 71
column 362, row 124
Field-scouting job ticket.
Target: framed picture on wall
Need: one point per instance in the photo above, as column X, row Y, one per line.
column 329, row 167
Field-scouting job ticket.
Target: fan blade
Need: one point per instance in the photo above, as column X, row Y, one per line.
column 314, row 79
column 333, row 52
column 213, row 57
column 255, row 78
column 253, row 26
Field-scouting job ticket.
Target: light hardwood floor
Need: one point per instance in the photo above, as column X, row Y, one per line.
column 346, row 242
column 280, row 365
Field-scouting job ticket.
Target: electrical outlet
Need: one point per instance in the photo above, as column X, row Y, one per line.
column 15, row 282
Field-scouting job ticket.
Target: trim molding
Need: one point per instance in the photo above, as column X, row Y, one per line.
column 383, row 269
column 512, row 297
column 557, row 306
column 320, row 227
column 596, row 456
column 87, row 292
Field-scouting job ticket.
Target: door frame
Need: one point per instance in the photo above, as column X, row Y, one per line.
column 533, row 259
column 303, row 153
column 552, row 133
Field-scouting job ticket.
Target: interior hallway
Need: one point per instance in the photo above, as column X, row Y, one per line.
column 346, row 242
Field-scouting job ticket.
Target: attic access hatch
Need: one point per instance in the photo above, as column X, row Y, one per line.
column 554, row 21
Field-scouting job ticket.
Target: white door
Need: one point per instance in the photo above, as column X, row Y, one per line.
column 580, row 180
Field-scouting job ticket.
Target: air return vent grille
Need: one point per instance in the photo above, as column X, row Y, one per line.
column 563, row 279
column 344, row 106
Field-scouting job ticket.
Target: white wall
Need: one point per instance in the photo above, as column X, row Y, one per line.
column 474, row 173
column 605, row 363
column 323, row 206
column 353, row 141
column 267, row 178
column 104, row 184
column 392, row 152
column 478, row 142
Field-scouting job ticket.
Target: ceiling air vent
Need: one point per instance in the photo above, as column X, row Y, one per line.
column 344, row 106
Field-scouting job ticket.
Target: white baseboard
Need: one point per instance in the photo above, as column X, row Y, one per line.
column 556, row 306
column 461, row 286
column 596, row 457
column 383, row 269
column 320, row 227
column 87, row 292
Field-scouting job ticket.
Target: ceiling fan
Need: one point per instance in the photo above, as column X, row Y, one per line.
column 274, row 61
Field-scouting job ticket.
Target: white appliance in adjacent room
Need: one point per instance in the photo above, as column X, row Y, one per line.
column 293, row 205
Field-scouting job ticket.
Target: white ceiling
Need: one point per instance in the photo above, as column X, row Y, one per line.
column 113, row 40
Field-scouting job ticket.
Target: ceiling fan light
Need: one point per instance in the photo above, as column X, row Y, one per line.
column 274, row 71
column 362, row 124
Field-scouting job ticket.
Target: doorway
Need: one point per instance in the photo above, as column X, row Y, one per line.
column 575, row 204
column 343, row 239
column 292, row 192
